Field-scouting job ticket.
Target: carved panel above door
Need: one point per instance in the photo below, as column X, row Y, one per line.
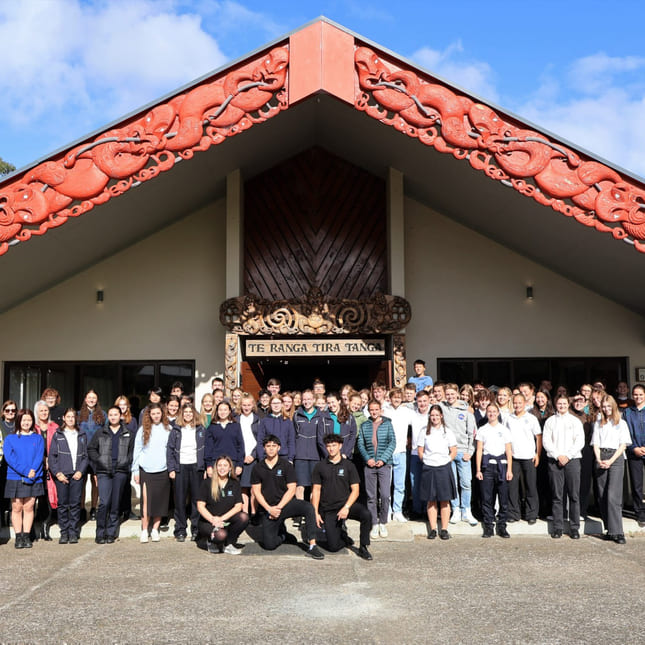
column 315, row 221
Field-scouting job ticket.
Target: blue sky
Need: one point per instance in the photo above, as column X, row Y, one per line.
column 575, row 68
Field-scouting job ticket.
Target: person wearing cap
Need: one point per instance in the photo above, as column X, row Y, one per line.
column 420, row 379
column 334, row 493
column 273, row 484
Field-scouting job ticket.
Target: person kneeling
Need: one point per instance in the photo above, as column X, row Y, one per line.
column 219, row 503
column 335, row 491
column 273, row 483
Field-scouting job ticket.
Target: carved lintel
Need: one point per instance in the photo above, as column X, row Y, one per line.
column 315, row 314
column 530, row 162
column 231, row 359
column 400, row 369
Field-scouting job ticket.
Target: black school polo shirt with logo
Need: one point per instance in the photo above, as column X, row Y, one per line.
column 273, row 481
column 335, row 481
column 229, row 496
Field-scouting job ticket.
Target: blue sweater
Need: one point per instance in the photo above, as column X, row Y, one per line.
column 22, row 454
column 281, row 428
column 227, row 441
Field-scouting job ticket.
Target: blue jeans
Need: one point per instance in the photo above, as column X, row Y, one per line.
column 464, row 469
column 399, row 469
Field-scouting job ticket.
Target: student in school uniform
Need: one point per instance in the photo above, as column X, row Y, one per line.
column 609, row 439
column 494, row 459
column 334, row 497
column 526, row 437
column 563, row 439
column 437, row 449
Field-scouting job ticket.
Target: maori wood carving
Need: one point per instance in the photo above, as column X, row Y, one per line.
column 400, row 368
column 315, row 314
column 552, row 174
column 92, row 173
column 231, row 360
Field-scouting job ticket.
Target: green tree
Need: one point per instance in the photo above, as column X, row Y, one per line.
column 6, row 167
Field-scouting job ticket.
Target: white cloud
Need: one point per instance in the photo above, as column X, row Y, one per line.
column 471, row 75
column 74, row 66
column 603, row 114
column 597, row 102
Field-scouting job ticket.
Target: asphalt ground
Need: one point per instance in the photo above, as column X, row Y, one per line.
column 527, row 589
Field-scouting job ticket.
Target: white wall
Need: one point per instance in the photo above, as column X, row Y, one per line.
column 162, row 299
column 468, row 297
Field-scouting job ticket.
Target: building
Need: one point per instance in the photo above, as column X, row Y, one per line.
column 320, row 208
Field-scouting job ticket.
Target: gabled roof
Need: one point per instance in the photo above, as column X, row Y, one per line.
column 461, row 156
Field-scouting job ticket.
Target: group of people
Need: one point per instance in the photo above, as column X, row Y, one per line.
column 235, row 464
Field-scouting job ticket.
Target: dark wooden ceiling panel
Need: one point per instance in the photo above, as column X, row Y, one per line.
column 315, row 221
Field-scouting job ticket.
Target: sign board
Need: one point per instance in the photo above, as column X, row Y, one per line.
column 311, row 347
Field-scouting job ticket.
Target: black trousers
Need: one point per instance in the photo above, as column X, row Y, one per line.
column 635, row 465
column 491, row 485
column 565, row 478
column 236, row 526
column 69, row 505
column 334, row 526
column 523, row 471
column 187, row 481
column 272, row 530
column 110, row 492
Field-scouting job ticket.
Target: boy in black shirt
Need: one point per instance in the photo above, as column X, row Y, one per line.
column 335, row 491
column 273, row 482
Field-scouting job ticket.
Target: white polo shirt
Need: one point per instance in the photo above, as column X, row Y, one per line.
column 436, row 446
column 523, row 429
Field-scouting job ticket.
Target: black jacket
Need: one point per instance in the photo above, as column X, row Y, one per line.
column 100, row 451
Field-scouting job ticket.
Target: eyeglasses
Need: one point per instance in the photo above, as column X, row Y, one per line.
column 10, row 410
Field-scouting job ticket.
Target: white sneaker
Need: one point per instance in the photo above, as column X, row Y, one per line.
column 374, row 532
column 467, row 517
column 154, row 535
column 231, row 550
column 455, row 517
column 399, row 517
column 382, row 530
column 144, row 537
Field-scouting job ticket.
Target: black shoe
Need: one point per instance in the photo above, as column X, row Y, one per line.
column 444, row 535
column 19, row 544
column 433, row 534
column 92, row 514
column 180, row 538
column 620, row 539
column 531, row 522
column 193, row 537
column 64, row 539
column 73, row 539
column 110, row 539
column 133, row 516
column 164, row 525
column 46, row 536
column 364, row 553
column 315, row 553
column 510, row 520
column 26, row 541
column 556, row 534
column 574, row 534
column 503, row 533
column 99, row 540
column 488, row 532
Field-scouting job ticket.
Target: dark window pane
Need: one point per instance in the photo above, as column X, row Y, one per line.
column 494, row 373
column 455, row 371
column 102, row 379
column 137, row 379
column 533, row 370
column 169, row 373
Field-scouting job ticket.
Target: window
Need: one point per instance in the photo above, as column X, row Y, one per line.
column 570, row 372
column 24, row 382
